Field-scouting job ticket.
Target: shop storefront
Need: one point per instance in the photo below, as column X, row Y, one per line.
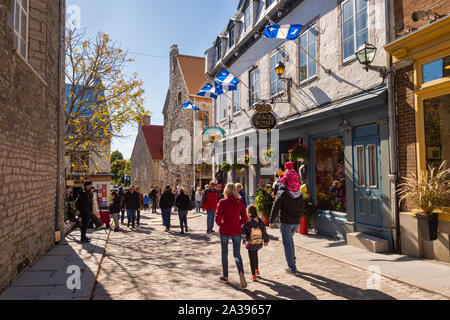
column 422, row 58
column 348, row 154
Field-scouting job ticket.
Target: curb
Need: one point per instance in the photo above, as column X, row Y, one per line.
column 410, row 283
column 94, row 285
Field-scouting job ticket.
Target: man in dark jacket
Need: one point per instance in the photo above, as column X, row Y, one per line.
column 132, row 204
column 166, row 203
column 84, row 205
column 122, row 205
column 289, row 204
column 153, row 196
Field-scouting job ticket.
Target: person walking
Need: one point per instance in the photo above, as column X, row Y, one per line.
column 198, row 199
column 132, row 203
column 141, row 206
column 153, row 196
column 95, row 215
column 83, row 203
column 231, row 215
column 210, row 199
column 166, row 203
column 122, row 204
column 183, row 202
column 146, row 202
column 114, row 209
column 255, row 237
column 240, row 190
column 289, row 205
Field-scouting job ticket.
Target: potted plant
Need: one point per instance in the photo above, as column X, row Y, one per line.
column 429, row 191
column 264, row 202
column 307, row 214
column 298, row 151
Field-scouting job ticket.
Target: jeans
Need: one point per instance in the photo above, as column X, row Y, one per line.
column 182, row 214
column 131, row 215
column 154, row 205
column 138, row 217
column 198, row 205
column 287, row 236
column 116, row 219
column 166, row 217
column 210, row 220
column 236, row 240
column 84, row 225
column 122, row 216
column 253, row 256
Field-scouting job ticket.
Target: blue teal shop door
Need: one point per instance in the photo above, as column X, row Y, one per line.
column 367, row 179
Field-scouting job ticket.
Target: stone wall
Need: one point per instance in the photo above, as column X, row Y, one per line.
column 29, row 140
column 177, row 119
column 141, row 164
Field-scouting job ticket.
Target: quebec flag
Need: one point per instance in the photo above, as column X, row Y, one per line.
column 190, row 106
column 220, row 87
column 225, row 77
column 209, row 91
column 288, row 31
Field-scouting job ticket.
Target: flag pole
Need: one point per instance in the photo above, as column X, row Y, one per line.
column 328, row 71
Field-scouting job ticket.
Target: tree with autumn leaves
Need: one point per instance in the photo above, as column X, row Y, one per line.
column 101, row 98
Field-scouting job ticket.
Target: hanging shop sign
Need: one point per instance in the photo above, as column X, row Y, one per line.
column 264, row 118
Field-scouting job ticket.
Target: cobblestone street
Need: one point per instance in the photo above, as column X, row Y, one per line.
column 151, row 264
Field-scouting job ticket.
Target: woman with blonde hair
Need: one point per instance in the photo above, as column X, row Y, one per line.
column 240, row 190
column 231, row 215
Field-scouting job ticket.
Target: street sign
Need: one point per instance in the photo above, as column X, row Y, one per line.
column 264, row 118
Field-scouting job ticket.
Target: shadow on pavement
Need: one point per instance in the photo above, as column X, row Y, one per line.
column 343, row 290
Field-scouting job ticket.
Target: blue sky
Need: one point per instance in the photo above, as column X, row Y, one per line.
column 151, row 27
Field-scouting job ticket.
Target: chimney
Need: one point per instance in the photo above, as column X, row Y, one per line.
column 146, row 120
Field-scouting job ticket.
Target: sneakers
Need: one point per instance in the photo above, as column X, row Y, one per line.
column 254, row 278
column 182, row 231
column 257, row 273
column 167, row 230
column 85, row 240
column 242, row 280
column 292, row 271
column 224, row 279
column 116, row 230
column 186, row 229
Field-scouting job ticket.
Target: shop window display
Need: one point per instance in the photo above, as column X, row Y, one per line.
column 330, row 173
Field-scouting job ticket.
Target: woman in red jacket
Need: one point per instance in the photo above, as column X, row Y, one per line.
column 230, row 216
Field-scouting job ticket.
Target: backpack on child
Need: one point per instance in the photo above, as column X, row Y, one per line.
column 256, row 236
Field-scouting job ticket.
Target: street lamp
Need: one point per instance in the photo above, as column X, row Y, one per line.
column 366, row 55
column 280, row 68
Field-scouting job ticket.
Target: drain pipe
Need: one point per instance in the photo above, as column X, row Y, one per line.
column 59, row 137
column 393, row 154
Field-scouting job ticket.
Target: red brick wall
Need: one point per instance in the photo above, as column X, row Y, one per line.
column 404, row 93
column 405, row 8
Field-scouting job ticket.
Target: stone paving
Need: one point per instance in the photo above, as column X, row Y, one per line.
column 149, row 263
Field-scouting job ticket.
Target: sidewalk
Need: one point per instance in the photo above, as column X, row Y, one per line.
column 47, row 278
column 430, row 275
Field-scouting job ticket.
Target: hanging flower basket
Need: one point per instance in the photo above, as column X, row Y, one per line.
column 264, row 202
column 246, row 159
column 266, row 157
column 225, row 167
column 298, row 151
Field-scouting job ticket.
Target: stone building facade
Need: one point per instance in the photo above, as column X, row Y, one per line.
column 147, row 157
column 330, row 104
column 31, row 123
column 187, row 76
column 420, row 54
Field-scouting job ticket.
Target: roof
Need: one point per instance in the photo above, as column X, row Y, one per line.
column 154, row 137
column 193, row 70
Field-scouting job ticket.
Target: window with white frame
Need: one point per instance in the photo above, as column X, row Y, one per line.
column 223, row 106
column 276, row 84
column 253, row 84
column 237, row 99
column 21, row 27
column 355, row 29
column 218, row 51
column 308, row 41
column 231, row 37
column 269, row 3
column 248, row 13
column 260, row 9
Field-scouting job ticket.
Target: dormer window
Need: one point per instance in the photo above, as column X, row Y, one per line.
column 231, row 37
column 218, row 51
column 248, row 17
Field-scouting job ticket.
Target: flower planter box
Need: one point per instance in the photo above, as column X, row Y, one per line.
column 428, row 225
